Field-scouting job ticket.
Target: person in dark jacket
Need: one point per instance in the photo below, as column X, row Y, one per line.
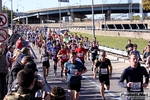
column 134, row 76
column 15, row 69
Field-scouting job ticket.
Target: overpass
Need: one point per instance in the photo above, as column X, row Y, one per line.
column 40, row 15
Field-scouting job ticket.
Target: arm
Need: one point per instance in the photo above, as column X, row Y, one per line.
column 122, row 78
column 145, row 73
column 41, row 58
column 59, row 55
column 110, row 70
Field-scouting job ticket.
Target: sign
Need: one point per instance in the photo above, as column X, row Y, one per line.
column 3, row 35
column 63, row 0
column 3, row 20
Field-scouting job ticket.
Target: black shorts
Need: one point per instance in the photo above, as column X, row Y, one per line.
column 63, row 62
column 87, row 50
column 83, row 61
column 76, row 87
column 55, row 60
column 93, row 58
column 46, row 64
column 104, row 79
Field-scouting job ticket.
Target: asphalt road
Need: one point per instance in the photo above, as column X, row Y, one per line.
column 90, row 86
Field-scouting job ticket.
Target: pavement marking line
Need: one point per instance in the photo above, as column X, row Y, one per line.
column 99, row 87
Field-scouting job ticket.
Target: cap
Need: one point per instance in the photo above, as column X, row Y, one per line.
column 31, row 66
column 134, row 45
column 25, row 50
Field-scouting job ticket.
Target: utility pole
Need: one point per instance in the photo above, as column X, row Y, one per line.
column 0, row 6
column 93, row 24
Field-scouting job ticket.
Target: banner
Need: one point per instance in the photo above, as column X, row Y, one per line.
column 63, row 0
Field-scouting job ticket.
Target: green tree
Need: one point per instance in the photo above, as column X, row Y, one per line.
column 6, row 10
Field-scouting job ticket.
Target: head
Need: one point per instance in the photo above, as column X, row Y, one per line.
column 54, row 45
column 25, row 51
column 31, row 66
column 80, row 45
column 26, row 59
column 129, row 41
column 26, row 79
column 10, row 48
column 102, row 55
column 62, row 47
column 148, row 48
column 72, row 57
column 57, row 93
column 135, row 47
column 133, row 59
column 94, row 43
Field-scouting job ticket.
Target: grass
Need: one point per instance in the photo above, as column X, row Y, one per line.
column 117, row 42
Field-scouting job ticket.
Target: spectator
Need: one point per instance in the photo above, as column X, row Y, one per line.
column 3, row 73
column 9, row 55
column 15, row 69
column 146, row 46
column 19, row 43
column 26, row 81
column 57, row 93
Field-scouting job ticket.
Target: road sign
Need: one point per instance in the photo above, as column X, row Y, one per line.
column 3, row 20
column 3, row 35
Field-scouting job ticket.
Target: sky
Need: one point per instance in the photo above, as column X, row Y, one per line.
column 28, row 5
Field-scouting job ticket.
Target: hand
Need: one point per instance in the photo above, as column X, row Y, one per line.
column 40, row 83
column 94, row 77
column 77, row 73
column 129, row 84
column 110, row 75
column 145, row 85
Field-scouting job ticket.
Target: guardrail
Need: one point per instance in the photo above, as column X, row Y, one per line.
column 114, row 51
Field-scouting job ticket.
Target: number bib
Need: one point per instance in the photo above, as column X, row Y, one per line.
column 136, row 86
column 80, row 54
column 45, row 58
column 72, row 72
column 63, row 56
column 104, row 71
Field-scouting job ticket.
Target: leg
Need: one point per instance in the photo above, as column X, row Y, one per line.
column 62, row 68
column 102, row 90
column 71, row 94
column 76, row 95
column 55, row 66
column 44, row 72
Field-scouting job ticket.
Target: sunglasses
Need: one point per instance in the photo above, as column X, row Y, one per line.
column 103, row 55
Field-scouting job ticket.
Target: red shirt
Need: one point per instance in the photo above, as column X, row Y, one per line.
column 80, row 53
column 64, row 56
column 19, row 44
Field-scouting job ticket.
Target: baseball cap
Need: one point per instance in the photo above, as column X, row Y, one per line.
column 31, row 66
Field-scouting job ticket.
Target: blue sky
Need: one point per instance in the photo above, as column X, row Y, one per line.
column 27, row 5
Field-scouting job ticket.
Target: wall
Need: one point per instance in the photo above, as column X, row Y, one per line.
column 142, row 35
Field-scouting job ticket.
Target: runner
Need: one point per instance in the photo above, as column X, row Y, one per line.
column 87, row 46
column 53, row 52
column 74, row 69
column 94, row 53
column 80, row 52
column 40, row 44
column 105, row 72
column 134, row 77
column 63, row 56
column 45, row 62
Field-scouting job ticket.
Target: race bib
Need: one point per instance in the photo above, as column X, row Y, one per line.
column 63, row 56
column 72, row 72
column 80, row 54
column 104, row 71
column 73, row 48
column 135, row 86
column 45, row 58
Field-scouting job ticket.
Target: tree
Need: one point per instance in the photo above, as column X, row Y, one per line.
column 6, row 10
column 146, row 4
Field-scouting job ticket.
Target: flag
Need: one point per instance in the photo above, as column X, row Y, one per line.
column 63, row 0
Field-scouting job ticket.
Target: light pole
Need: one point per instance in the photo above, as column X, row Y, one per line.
column 11, row 16
column 93, row 23
column 0, row 6
column 23, row 13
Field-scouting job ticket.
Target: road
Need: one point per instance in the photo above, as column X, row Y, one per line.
column 90, row 86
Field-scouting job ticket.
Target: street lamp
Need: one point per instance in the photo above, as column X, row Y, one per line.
column 11, row 16
column 93, row 24
column 23, row 12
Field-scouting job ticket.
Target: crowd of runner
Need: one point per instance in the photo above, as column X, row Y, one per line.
column 70, row 51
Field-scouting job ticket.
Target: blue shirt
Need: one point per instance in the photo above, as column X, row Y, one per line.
column 54, row 52
column 72, row 67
